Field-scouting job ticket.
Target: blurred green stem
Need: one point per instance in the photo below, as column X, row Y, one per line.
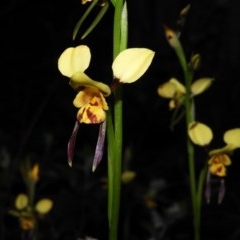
column 196, row 190
column 114, row 126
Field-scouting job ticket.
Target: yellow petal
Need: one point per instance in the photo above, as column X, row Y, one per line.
column 91, row 114
column 90, row 95
column 167, row 90
column 220, row 158
column 232, row 138
column 44, row 205
column 201, row 85
column 225, row 149
column 218, row 169
column 131, row 64
column 179, row 86
column 74, row 59
column 173, row 103
column 80, row 79
column 128, row 176
column 34, row 173
column 200, row 133
column 21, row 201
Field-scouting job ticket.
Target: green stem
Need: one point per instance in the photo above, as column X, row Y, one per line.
column 114, row 126
column 188, row 103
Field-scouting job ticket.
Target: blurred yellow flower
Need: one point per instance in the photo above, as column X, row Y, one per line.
column 202, row 135
column 175, row 91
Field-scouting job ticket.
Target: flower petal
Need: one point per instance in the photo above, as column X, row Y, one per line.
column 128, row 176
column 71, row 143
column 91, row 114
column 179, row 86
column 167, row 90
column 80, row 79
column 131, row 64
column 100, row 145
column 232, row 138
column 225, row 149
column 220, row 158
column 44, row 205
column 218, row 169
column 200, row 133
column 21, row 201
column 86, row 96
column 74, row 59
column 201, row 85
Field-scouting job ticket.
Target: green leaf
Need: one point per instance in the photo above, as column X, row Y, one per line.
column 81, row 20
column 96, row 20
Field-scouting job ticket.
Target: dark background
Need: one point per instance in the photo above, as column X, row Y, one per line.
column 37, row 117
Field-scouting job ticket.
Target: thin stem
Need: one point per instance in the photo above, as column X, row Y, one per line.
column 114, row 127
column 188, row 103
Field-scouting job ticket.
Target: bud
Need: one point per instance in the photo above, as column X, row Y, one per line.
column 195, row 62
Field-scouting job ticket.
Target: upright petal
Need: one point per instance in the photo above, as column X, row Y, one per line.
column 167, row 90
column 21, row 201
column 44, row 205
column 232, row 138
column 131, row 64
column 200, row 133
column 201, row 85
column 179, row 86
column 74, row 59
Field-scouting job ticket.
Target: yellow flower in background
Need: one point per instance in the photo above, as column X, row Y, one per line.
column 34, row 173
column 202, row 135
column 175, row 91
column 220, row 158
column 26, row 214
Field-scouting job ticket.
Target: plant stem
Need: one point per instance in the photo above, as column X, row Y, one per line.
column 114, row 127
column 188, row 104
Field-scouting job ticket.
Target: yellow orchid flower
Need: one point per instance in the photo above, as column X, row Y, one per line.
column 202, row 135
column 176, row 91
column 26, row 214
column 90, row 99
column 220, row 157
column 127, row 67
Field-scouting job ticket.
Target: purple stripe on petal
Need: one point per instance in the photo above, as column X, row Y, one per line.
column 71, row 143
column 100, row 145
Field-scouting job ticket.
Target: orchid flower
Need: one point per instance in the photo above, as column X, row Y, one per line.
column 27, row 214
column 219, row 159
column 175, row 90
column 127, row 67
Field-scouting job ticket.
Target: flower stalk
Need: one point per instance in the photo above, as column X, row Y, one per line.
column 188, row 103
column 114, row 126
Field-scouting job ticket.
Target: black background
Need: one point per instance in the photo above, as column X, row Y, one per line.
column 37, row 117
